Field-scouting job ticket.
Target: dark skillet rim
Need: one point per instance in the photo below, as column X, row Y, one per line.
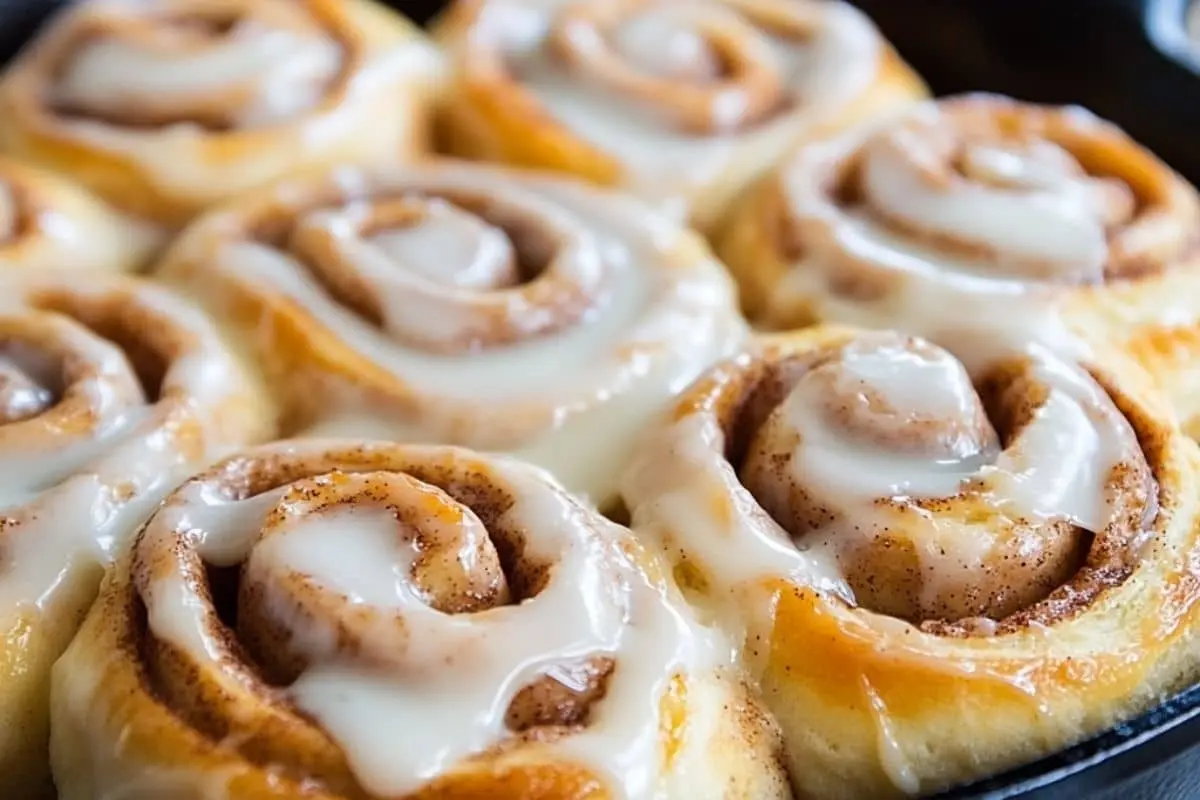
column 1118, row 755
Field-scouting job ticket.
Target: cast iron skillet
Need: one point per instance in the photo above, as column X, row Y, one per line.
column 1127, row 60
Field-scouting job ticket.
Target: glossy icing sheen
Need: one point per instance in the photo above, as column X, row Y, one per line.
column 111, row 392
column 873, row 433
column 973, row 212
column 682, row 96
column 625, row 309
column 872, row 477
column 386, row 593
column 176, row 70
column 84, row 454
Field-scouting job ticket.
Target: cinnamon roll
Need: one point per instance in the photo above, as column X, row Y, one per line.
column 110, row 393
column 683, row 103
column 938, row 572
column 47, row 222
column 1036, row 222
column 463, row 304
column 368, row 620
column 164, row 107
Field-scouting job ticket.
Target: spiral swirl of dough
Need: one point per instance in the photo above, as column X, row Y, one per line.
column 466, row 304
column 683, row 103
column 1001, row 545
column 939, row 499
column 374, row 620
column 109, row 394
column 167, row 107
column 974, row 210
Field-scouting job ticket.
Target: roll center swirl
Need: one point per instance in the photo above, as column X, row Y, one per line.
column 190, row 66
column 454, row 271
column 704, row 65
column 944, row 499
column 412, row 544
column 28, row 385
column 368, row 589
column 984, row 188
column 63, row 390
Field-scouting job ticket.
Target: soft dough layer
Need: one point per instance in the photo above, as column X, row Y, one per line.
column 683, row 104
column 464, row 304
column 366, row 620
column 938, row 570
column 49, row 223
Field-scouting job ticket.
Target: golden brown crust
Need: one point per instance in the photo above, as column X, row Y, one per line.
column 493, row 113
column 891, row 708
column 226, row 726
column 161, row 159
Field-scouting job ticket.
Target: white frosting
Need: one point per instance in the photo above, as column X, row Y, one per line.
column 24, row 382
column 662, row 310
column 1031, row 209
column 375, row 112
column 967, row 231
column 73, row 493
column 438, row 313
column 470, row 254
column 454, row 676
column 822, row 56
column 1057, row 468
column 661, row 41
column 108, row 390
column 916, row 388
column 748, row 546
column 682, row 491
column 291, row 70
column 892, row 757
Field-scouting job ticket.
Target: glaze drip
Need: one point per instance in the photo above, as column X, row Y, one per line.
column 26, row 388
column 84, row 449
